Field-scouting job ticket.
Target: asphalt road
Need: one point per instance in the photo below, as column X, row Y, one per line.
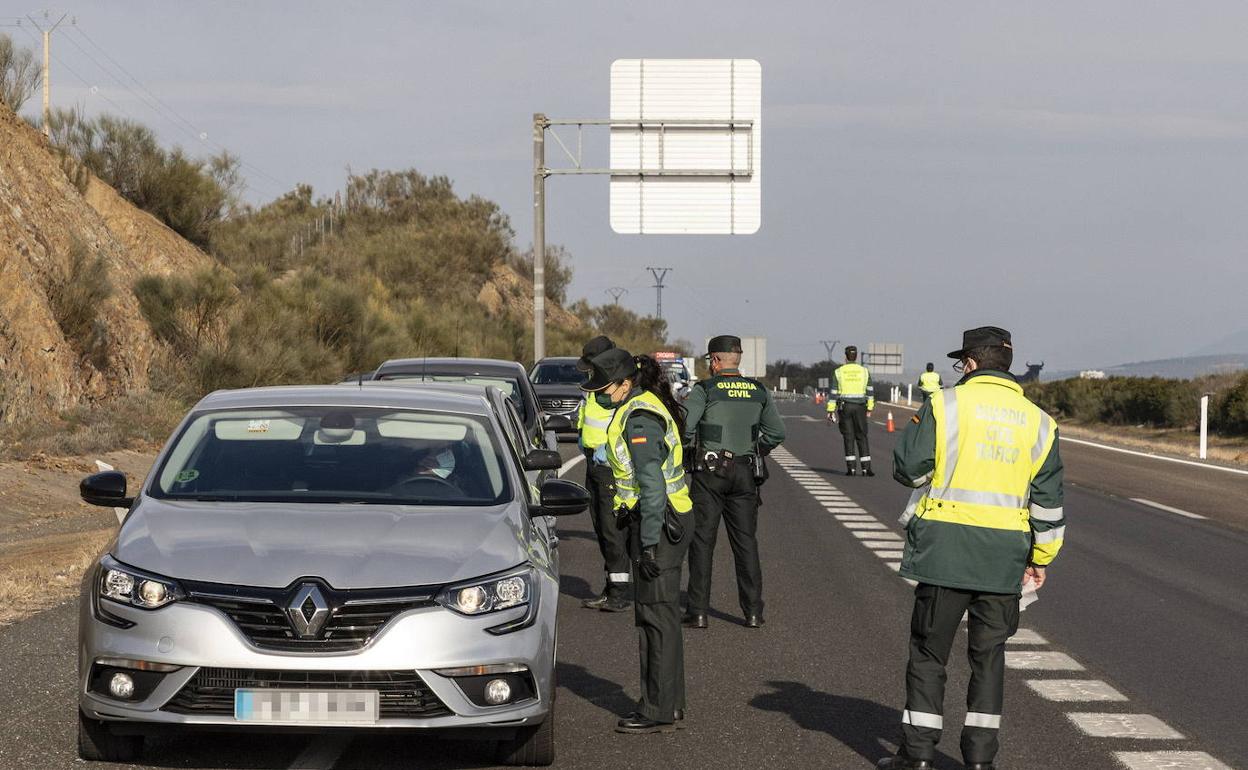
column 1147, row 603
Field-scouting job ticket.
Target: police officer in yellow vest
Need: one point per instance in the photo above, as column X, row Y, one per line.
column 592, row 420
column 850, row 404
column 929, row 381
column 986, row 514
column 644, row 451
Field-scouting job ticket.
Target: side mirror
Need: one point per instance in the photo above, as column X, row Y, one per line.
column 542, row 460
column 561, row 497
column 558, row 423
column 107, row 489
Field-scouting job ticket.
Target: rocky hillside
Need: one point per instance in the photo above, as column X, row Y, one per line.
column 48, row 231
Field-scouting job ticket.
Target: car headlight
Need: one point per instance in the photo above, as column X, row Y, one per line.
column 127, row 585
column 490, row 594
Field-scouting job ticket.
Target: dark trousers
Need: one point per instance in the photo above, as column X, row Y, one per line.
column 656, row 613
column 993, row 618
column 612, row 534
column 853, row 422
column 735, row 500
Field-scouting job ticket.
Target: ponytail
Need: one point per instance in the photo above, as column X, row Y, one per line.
column 651, row 377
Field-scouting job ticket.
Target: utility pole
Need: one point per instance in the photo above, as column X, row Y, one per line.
column 659, row 274
column 539, row 236
column 615, row 293
column 47, row 70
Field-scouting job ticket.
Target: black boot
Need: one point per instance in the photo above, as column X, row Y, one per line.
column 694, row 620
column 599, row 600
column 636, row 724
column 980, row 766
column 850, row 471
column 616, row 598
column 866, row 469
column 901, row 763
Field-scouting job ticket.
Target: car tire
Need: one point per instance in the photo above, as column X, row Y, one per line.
column 531, row 746
column 97, row 743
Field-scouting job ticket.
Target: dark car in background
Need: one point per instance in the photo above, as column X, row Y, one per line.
column 508, row 376
column 558, row 385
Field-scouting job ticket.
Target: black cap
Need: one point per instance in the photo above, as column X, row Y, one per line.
column 724, row 343
column 609, row 366
column 597, row 345
column 851, row 350
column 983, row 337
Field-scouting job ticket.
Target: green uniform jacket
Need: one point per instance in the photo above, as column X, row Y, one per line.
column 645, row 432
column 955, row 561
column 731, row 412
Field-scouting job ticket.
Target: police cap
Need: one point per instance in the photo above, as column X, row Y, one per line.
column 599, row 344
column 724, row 343
column 614, row 365
column 983, row 337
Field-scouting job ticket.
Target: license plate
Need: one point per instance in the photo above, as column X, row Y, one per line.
column 336, row 707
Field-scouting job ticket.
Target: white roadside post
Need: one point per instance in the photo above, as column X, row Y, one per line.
column 909, row 393
column 1204, row 426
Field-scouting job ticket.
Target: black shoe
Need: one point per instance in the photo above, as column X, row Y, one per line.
column 615, row 604
column 851, row 472
column 868, row 472
column 754, row 621
column 680, row 719
column 980, row 766
column 636, row 724
column 694, row 620
column 901, row 763
column 596, row 602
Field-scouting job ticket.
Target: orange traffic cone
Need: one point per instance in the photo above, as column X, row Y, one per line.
column 891, row 427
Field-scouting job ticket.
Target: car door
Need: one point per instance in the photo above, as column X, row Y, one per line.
column 520, row 442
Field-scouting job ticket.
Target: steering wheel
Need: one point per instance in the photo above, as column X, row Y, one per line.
column 414, row 481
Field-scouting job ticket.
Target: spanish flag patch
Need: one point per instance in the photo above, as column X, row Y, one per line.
column 914, row 419
column 638, row 439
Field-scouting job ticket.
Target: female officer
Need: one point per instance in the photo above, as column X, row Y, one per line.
column 643, row 448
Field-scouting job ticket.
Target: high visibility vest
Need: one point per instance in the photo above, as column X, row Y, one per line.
column 990, row 443
column 627, row 490
column 852, row 383
column 592, row 420
column 929, row 382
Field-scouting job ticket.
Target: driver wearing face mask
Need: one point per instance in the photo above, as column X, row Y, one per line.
column 438, row 461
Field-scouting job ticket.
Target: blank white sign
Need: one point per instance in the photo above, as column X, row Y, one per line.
column 686, row 89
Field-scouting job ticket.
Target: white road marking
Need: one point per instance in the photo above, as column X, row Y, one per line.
column 864, row 525
column 1169, row 760
column 895, row 566
column 1168, row 508
column 322, row 753
column 569, row 465
column 875, row 535
column 881, row 544
column 1074, row 690
column 1040, row 661
column 1206, row 466
column 854, row 517
column 1027, row 636
column 843, row 509
column 889, row 554
column 1144, row 726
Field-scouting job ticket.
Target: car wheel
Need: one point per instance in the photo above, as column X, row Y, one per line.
column 97, row 743
column 532, row 746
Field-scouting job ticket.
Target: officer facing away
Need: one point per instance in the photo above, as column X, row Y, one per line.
column 592, row 420
column 646, row 457
column 985, row 514
column 929, row 381
column 732, row 422
column 851, row 402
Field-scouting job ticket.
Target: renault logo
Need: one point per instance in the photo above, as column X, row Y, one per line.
column 308, row 611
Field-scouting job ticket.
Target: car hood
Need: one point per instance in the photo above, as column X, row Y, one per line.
column 348, row 546
column 562, row 390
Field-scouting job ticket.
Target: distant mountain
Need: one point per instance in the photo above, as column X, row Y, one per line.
column 1236, row 342
column 1183, row 368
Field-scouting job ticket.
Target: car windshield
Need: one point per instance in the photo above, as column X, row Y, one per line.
column 557, row 374
column 323, row 454
column 510, row 386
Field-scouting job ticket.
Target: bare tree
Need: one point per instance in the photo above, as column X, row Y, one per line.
column 19, row 74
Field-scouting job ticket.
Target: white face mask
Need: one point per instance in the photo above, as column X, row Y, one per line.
column 446, row 464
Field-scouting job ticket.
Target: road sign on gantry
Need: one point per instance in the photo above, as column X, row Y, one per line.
column 885, row 358
column 685, row 146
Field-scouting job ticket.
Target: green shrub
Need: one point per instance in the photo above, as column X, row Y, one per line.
column 75, row 293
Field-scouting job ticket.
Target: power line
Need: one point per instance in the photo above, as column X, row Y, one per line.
column 615, row 293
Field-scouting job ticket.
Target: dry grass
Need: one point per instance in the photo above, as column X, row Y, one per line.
column 38, row 573
column 140, row 421
column 1173, row 441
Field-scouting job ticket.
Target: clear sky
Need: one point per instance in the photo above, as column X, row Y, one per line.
column 1076, row 172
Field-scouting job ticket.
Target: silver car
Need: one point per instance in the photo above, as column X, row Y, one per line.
column 337, row 557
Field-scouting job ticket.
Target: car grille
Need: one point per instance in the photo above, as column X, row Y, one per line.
column 355, row 616
column 552, row 404
column 403, row 694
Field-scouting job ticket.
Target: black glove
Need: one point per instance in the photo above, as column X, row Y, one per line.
column 649, row 564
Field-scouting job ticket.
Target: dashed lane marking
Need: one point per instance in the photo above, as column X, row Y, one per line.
column 1168, row 509
column 870, row 534
column 880, row 545
column 895, row 566
column 854, row 517
column 889, row 554
column 863, row 525
column 1027, row 636
column 1040, row 661
column 1169, row 760
column 569, row 465
column 1074, row 690
column 1142, row 726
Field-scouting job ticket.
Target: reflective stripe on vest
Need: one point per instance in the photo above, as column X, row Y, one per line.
column 990, row 443
column 627, row 490
column 594, row 422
